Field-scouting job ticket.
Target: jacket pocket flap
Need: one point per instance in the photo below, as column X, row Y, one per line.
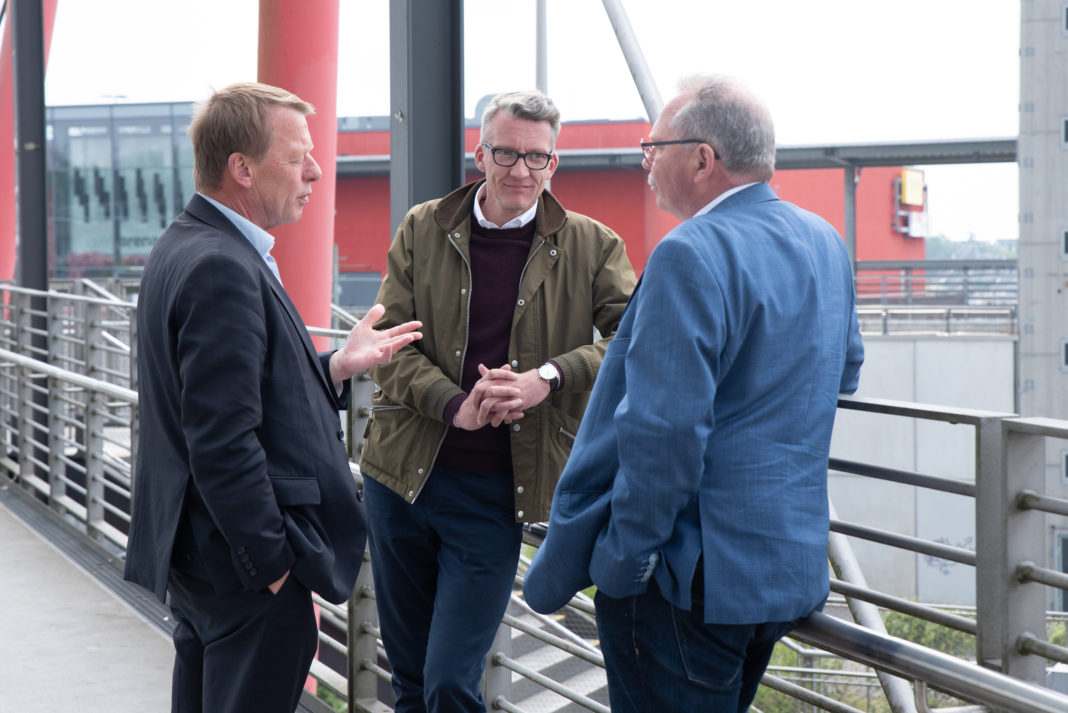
column 293, row 490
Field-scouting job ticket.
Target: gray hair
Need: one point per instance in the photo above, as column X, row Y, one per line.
column 531, row 105
column 732, row 120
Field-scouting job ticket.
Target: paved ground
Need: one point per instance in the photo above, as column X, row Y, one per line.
column 66, row 642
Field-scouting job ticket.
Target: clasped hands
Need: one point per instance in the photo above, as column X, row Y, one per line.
column 500, row 396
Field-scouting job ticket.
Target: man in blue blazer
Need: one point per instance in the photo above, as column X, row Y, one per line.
column 243, row 500
column 695, row 497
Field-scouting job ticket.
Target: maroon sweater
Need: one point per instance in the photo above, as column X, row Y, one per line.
column 497, row 261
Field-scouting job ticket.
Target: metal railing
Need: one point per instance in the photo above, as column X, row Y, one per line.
column 69, row 437
column 937, row 282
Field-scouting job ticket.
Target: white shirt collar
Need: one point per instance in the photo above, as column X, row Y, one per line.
column 722, row 197
column 261, row 240
column 517, row 222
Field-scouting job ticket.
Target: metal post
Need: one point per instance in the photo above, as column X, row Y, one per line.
column 541, row 72
column 852, row 178
column 426, row 128
column 496, row 679
column 843, row 560
column 27, row 21
column 1024, row 534
column 363, row 645
column 991, row 508
column 632, row 52
column 1008, row 461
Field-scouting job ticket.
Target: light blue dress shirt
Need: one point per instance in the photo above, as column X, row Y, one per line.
column 261, row 240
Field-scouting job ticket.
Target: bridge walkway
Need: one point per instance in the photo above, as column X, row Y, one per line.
column 67, row 642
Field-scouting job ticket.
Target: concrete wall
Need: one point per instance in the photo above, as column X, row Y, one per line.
column 969, row 372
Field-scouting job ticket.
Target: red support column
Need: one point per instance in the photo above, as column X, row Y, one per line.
column 298, row 44
column 7, row 139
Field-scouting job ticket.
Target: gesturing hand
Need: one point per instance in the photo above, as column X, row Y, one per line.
column 365, row 347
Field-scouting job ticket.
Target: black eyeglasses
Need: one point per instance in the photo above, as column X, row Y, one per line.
column 648, row 146
column 506, row 158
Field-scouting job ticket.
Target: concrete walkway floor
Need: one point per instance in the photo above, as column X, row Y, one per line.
column 66, row 642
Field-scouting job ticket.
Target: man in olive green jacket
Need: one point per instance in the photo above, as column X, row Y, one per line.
column 474, row 423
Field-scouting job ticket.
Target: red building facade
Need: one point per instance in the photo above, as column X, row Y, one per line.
column 620, row 198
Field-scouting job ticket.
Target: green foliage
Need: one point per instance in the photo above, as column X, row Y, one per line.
column 933, row 636
column 333, row 700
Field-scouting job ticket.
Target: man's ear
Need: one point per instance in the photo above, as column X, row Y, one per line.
column 706, row 161
column 480, row 158
column 240, row 169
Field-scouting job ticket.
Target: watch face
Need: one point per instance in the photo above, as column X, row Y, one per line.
column 547, row 372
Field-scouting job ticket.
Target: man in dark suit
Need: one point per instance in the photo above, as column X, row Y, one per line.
column 243, row 501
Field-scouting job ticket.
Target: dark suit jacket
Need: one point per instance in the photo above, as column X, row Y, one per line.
column 241, row 471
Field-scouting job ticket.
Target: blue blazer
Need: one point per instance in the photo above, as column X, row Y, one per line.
column 708, row 430
column 241, row 471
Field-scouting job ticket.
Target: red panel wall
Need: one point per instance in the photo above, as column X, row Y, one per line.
column 823, row 192
column 621, row 199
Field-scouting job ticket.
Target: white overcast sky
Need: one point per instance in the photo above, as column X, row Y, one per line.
column 832, row 71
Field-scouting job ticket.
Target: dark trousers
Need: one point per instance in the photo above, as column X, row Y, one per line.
column 661, row 658
column 443, row 571
column 240, row 652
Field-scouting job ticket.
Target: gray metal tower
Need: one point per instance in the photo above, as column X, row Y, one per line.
column 1043, row 247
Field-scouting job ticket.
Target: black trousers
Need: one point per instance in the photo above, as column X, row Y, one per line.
column 242, row 652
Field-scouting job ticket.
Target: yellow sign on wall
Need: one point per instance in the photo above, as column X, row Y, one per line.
column 911, row 187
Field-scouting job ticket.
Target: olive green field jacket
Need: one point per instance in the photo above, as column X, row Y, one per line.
column 577, row 278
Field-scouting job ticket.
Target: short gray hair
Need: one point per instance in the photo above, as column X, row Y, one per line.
column 531, row 105
column 732, row 120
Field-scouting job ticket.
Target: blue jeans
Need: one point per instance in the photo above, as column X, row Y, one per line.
column 443, row 569
column 662, row 658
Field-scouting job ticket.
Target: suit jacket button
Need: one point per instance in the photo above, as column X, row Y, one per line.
column 241, row 550
column 341, row 435
column 252, row 572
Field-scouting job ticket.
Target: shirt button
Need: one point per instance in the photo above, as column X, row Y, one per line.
column 519, row 490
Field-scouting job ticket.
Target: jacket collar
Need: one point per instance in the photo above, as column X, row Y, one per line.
column 758, row 193
column 456, row 207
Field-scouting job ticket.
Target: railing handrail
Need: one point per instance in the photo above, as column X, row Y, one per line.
column 919, row 663
column 104, row 387
column 930, row 412
column 978, row 264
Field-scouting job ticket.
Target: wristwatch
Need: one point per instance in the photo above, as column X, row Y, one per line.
column 550, row 373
